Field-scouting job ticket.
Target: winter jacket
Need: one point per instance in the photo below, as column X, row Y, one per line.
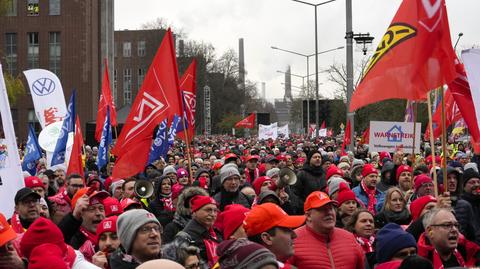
column 120, row 260
column 387, row 216
column 360, row 194
column 309, row 179
column 467, row 226
column 225, row 198
column 463, row 210
column 157, row 206
column 182, row 214
column 470, row 251
column 70, row 228
column 386, row 183
column 338, row 250
column 416, row 228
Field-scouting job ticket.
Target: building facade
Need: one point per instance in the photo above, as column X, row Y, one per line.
column 69, row 38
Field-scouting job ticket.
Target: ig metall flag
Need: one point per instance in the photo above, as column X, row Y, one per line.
column 67, row 127
column 159, row 146
column 172, row 132
column 33, row 152
column 105, row 141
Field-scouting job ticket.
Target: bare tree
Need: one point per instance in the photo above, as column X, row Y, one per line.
column 337, row 73
column 227, row 64
column 162, row 23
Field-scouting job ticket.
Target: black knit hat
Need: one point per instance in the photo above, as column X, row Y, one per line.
column 469, row 174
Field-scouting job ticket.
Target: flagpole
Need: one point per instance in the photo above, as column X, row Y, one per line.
column 414, row 106
column 444, row 140
column 432, row 144
column 189, row 159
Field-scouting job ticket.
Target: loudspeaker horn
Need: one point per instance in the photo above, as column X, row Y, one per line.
column 143, row 189
column 286, row 177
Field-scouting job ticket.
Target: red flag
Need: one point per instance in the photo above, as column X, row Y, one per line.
column 105, row 100
column 189, row 88
column 414, row 56
column 75, row 164
column 323, row 125
column 157, row 99
column 366, row 136
column 346, row 138
column 452, row 114
column 248, row 122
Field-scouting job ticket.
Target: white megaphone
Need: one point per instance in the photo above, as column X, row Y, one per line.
column 286, row 177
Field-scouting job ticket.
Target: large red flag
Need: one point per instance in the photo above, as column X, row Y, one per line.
column 75, row 164
column 157, row 99
column 414, row 56
column 188, row 87
column 248, row 122
column 452, row 114
column 105, row 100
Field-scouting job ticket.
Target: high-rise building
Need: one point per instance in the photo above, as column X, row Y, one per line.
column 69, row 38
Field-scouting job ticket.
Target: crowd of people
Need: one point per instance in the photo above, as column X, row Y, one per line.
column 245, row 203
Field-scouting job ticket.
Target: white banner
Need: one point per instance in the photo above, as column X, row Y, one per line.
column 11, row 177
column 284, row 131
column 391, row 136
column 471, row 60
column 321, row 133
column 47, row 96
column 268, row 131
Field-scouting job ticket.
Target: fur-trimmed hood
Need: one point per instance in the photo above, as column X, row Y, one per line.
column 183, row 207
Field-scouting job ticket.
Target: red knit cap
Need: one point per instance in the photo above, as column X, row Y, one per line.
column 403, row 168
column 333, row 170
column 417, row 206
column 33, row 182
column 382, row 155
column 369, row 169
column 345, row 194
column 40, row 232
column 200, row 201
column 232, row 218
column 47, row 256
column 257, row 184
column 107, row 225
column 176, row 190
column 112, row 207
column 421, row 179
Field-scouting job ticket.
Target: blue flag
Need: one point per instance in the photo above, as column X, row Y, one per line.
column 172, row 132
column 33, row 152
column 159, row 147
column 67, row 127
column 105, row 141
column 185, row 119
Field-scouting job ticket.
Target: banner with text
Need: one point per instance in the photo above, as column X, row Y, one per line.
column 47, row 96
column 283, row 131
column 391, row 136
column 268, row 131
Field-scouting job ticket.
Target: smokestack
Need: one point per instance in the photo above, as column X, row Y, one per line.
column 181, row 48
column 241, row 63
column 263, row 91
column 288, row 85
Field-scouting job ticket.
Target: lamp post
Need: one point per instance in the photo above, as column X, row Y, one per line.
column 308, row 75
column 458, row 39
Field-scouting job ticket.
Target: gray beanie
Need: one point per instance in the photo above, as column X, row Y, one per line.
column 169, row 169
column 471, row 166
column 227, row 171
column 129, row 222
column 357, row 162
column 273, row 172
column 334, row 184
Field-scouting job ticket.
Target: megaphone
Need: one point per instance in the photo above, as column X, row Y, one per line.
column 286, row 177
column 143, row 189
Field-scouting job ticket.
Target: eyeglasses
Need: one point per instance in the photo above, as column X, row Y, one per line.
column 447, row 226
column 148, row 229
column 193, row 266
column 403, row 254
column 210, row 211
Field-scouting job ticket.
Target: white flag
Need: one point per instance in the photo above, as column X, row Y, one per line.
column 47, row 95
column 11, row 177
column 267, row 131
column 284, row 131
column 471, row 60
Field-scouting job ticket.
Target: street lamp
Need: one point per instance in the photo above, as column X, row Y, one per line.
column 308, row 75
column 458, row 39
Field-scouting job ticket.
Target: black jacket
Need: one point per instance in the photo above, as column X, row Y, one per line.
column 225, row 198
column 309, row 179
column 70, row 228
column 120, row 260
column 468, row 216
column 195, row 233
column 400, row 218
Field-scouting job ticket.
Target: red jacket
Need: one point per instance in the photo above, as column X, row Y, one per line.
column 339, row 250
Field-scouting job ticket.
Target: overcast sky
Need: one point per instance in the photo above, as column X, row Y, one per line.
column 284, row 24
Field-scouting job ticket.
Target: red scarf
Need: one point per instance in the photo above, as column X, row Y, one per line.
column 168, row 203
column 424, row 250
column 437, row 261
column 16, row 224
column 372, row 200
column 256, row 173
column 366, row 243
column 88, row 247
column 211, row 247
column 70, row 256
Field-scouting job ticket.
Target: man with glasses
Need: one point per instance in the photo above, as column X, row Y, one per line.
column 422, row 185
column 26, row 210
column 140, row 237
column 199, row 230
column 442, row 244
column 61, row 202
column 230, row 188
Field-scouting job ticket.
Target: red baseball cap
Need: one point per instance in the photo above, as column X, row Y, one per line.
column 6, row 232
column 252, row 157
column 93, row 195
column 263, row 217
column 230, row 156
column 126, row 202
column 33, row 182
column 317, row 199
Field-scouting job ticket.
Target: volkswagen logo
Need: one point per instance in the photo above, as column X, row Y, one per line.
column 43, row 86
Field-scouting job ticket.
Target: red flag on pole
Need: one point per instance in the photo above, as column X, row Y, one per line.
column 452, row 114
column 413, row 57
column 346, row 138
column 248, row 122
column 323, row 126
column 157, row 99
column 75, row 164
column 189, row 88
column 105, row 100
column 366, row 136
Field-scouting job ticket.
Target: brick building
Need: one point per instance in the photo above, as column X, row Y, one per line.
column 69, row 38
